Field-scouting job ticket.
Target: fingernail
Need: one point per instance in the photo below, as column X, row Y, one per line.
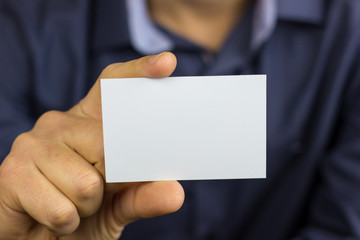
column 153, row 58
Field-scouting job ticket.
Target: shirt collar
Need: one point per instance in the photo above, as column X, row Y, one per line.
column 305, row 11
column 134, row 26
column 147, row 39
column 263, row 23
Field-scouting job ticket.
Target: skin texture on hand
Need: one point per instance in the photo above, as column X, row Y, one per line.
column 52, row 182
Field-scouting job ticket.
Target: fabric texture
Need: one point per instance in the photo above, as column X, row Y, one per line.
column 51, row 53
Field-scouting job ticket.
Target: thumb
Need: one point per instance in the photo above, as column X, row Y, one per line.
column 155, row 66
column 146, row 200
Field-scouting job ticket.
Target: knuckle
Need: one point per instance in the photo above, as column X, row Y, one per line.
column 109, row 70
column 54, row 125
column 10, row 169
column 28, row 146
column 25, row 142
column 50, row 118
column 24, row 138
column 64, row 216
column 89, row 186
column 11, row 162
column 15, row 169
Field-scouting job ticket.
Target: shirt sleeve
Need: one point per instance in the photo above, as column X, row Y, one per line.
column 334, row 212
column 15, row 74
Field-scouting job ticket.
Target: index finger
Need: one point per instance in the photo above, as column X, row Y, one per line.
column 155, row 66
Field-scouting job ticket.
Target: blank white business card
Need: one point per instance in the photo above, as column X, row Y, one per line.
column 184, row 128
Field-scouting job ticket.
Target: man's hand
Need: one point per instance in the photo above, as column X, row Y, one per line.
column 52, row 182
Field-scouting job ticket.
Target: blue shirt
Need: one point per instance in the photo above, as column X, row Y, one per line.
column 51, row 52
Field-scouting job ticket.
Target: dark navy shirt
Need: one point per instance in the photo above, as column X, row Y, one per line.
column 51, row 52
